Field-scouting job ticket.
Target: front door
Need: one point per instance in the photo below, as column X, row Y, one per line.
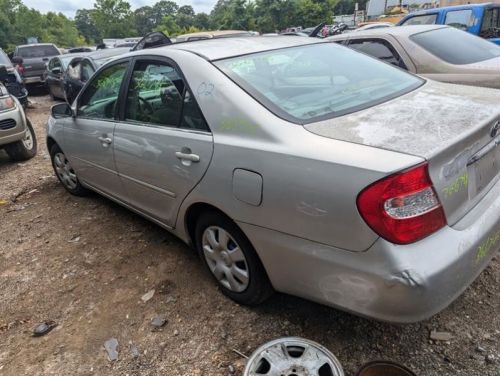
column 88, row 138
column 162, row 144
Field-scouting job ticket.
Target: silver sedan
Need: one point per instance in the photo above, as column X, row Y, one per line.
column 439, row 52
column 296, row 165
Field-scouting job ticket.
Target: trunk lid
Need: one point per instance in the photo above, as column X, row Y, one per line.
column 451, row 126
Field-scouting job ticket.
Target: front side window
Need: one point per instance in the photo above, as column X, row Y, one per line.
column 379, row 49
column 425, row 19
column 99, row 99
column 55, row 63
column 490, row 28
column 456, row 46
column 461, row 19
column 317, row 81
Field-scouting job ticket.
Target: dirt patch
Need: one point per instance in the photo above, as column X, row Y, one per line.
column 85, row 263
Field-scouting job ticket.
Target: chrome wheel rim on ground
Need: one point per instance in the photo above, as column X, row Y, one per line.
column 64, row 171
column 293, row 357
column 28, row 139
column 225, row 259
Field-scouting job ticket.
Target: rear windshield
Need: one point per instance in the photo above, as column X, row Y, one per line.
column 456, row 46
column 37, row 51
column 316, row 82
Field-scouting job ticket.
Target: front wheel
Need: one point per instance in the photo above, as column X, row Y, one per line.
column 231, row 259
column 24, row 149
column 65, row 173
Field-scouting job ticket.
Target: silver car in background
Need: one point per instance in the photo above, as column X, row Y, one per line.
column 17, row 136
column 296, row 165
column 438, row 52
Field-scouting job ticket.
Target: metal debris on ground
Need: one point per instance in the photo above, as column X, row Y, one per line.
column 111, row 347
column 293, row 356
column 147, row 296
column 440, row 336
column 158, row 322
column 43, row 328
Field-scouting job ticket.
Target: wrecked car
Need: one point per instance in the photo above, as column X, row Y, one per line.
column 17, row 136
column 296, row 165
column 441, row 53
column 12, row 80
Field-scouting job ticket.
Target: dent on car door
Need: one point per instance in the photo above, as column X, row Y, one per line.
column 162, row 144
column 88, row 138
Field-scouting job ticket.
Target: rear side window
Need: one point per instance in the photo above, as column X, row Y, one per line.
column 461, row 19
column 37, row 51
column 378, row 48
column 456, row 46
column 425, row 19
column 317, row 82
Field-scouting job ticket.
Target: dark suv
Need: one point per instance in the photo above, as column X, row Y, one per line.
column 12, row 80
column 34, row 60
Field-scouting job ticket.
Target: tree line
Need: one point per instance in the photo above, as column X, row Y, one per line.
column 116, row 19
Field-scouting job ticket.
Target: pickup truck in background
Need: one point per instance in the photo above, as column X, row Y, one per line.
column 479, row 19
column 32, row 60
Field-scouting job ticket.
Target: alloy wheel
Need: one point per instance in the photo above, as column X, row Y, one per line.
column 28, row 139
column 64, row 171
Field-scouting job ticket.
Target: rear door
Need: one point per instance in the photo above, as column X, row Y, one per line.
column 89, row 138
column 162, row 144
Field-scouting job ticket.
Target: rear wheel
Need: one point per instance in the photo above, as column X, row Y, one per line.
column 65, row 173
column 231, row 259
column 24, row 149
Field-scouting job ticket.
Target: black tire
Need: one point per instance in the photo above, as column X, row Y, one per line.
column 78, row 189
column 20, row 151
column 259, row 288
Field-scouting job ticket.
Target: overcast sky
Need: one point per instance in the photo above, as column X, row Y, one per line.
column 68, row 7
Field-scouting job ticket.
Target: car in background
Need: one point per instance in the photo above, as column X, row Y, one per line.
column 35, row 58
column 373, row 25
column 76, row 50
column 81, row 68
column 17, row 136
column 126, row 44
column 12, row 80
column 438, row 52
column 54, row 74
column 482, row 20
column 212, row 35
column 298, row 165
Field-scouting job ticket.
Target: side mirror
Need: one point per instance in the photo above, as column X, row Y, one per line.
column 3, row 73
column 62, row 110
column 17, row 60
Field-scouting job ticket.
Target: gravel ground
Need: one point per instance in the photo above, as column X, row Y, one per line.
column 85, row 263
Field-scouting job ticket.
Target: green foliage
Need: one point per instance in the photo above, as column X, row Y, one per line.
column 115, row 19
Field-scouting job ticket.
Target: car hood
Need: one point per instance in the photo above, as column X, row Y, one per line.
column 422, row 122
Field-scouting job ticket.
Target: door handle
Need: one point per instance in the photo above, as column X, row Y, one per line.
column 105, row 140
column 187, row 156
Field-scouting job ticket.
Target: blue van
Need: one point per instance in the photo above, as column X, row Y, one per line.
column 479, row 19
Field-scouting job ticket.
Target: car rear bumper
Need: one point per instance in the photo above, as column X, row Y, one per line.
column 15, row 133
column 388, row 282
column 34, row 79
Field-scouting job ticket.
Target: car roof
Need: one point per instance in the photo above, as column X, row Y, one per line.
column 107, row 53
column 222, row 48
column 451, row 8
column 397, row 31
column 213, row 34
column 36, row 44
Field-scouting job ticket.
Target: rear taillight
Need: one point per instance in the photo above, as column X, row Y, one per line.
column 402, row 208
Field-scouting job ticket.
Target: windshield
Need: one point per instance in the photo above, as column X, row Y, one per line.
column 456, row 46
column 37, row 51
column 316, row 82
column 4, row 59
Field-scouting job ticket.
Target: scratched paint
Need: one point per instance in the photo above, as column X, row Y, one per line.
column 237, row 124
column 487, row 246
column 462, row 182
column 206, row 88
